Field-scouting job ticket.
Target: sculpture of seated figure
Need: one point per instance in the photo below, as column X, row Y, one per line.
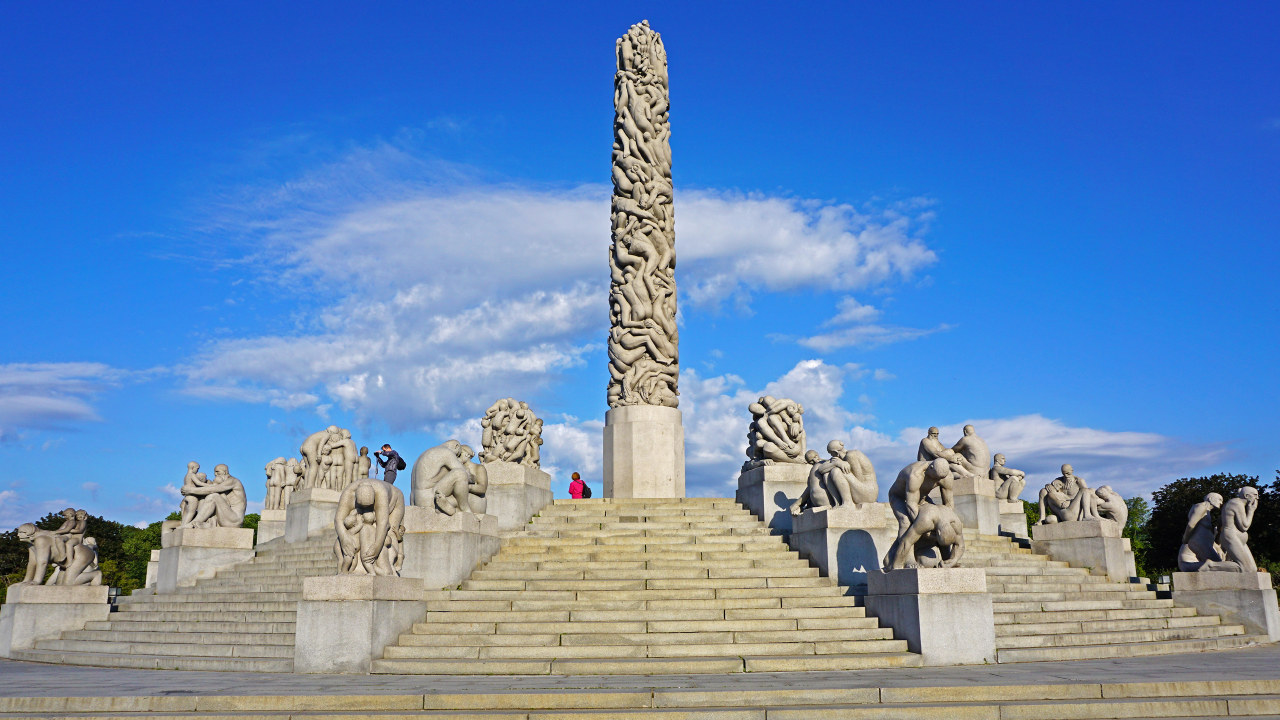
column 370, row 526
column 444, row 478
column 851, row 479
column 213, row 503
column 815, row 495
column 931, row 448
column 934, row 527
column 1200, row 551
column 1233, row 535
column 1111, row 506
column 1009, row 482
column 911, row 489
column 82, row 564
column 1067, row 498
column 974, row 450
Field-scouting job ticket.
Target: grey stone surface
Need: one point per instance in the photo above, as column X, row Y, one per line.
column 1239, row 597
column 216, row 503
column 769, row 492
column 846, row 477
column 39, row 612
column 330, row 459
column 845, row 543
column 1233, row 535
column 446, row 481
column 1094, row 544
column 935, row 538
column 510, row 432
column 943, row 614
column 190, row 553
column 72, row 556
column 1200, row 538
column 442, row 550
column 271, row 525
column 931, row 448
column 1013, row 519
column 370, row 526
column 516, row 493
column 644, row 358
column 776, row 433
column 283, row 476
column 643, row 452
column 311, row 512
column 974, row 497
column 1008, row 482
column 345, row 622
column 1067, row 498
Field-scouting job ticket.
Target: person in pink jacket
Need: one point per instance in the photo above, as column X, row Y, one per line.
column 575, row 487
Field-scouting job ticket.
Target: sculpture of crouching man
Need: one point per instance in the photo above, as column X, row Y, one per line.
column 934, row 527
column 370, row 525
column 444, row 478
column 846, row 478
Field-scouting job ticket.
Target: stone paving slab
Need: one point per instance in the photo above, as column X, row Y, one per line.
column 24, row 679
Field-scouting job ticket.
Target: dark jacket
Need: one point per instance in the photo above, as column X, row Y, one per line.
column 389, row 462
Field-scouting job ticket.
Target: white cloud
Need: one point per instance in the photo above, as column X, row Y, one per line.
column 16, row 509
column 849, row 310
column 50, row 396
column 442, row 292
column 868, row 335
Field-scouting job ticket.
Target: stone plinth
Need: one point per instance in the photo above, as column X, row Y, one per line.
column 1243, row 598
column 187, row 554
column 442, row 550
column 516, row 493
column 271, row 526
column 44, row 612
column 976, row 504
column 153, row 569
column 769, row 490
column 1013, row 519
column 345, row 621
column 1093, row 544
column 310, row 512
column 643, row 452
column 945, row 614
column 845, row 542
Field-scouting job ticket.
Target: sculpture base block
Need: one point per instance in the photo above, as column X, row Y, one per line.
column 1242, row 598
column 345, row 621
column 44, row 612
column 187, row 554
column 1094, row 544
column 769, row 490
column 1013, row 519
column 516, row 493
column 442, row 550
column 153, row 569
column 845, row 542
column 945, row 614
column 271, row 525
column 643, row 452
column 976, row 504
column 310, row 512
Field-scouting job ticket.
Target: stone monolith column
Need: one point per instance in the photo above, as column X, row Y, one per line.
column 643, row 434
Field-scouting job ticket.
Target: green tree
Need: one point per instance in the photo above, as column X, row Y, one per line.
column 1033, row 513
column 1136, row 529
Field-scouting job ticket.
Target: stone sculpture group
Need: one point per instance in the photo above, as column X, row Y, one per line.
column 1227, row 549
column 283, row 477
column 776, row 433
column 511, row 433
column 445, row 479
column 330, row 459
column 213, row 503
column 370, row 527
column 847, row 477
column 1067, row 498
column 74, row 557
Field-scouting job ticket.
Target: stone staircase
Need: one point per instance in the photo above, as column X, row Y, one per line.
column 240, row 619
column 1047, row 610
column 644, row 587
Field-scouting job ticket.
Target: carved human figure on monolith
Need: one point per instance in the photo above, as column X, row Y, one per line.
column 913, row 486
column 1067, row 498
column 1009, row 482
column 43, row 547
column 276, row 479
column 776, row 433
column 931, row 448
column 213, row 503
column 445, row 479
column 935, row 528
column 510, row 433
column 312, row 449
column 370, row 526
column 364, row 464
column 82, row 563
column 1111, row 506
column 1200, row 550
column 974, row 450
column 1233, row 535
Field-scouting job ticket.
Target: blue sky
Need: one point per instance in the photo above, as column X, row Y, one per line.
column 227, row 225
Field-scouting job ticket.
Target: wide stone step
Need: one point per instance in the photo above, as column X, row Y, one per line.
column 188, row 616
column 1156, row 623
column 1051, row 605
column 1011, row 573
column 649, row 666
column 1092, row 615
column 168, row 603
column 1125, row 650
column 790, row 569
column 211, row 596
column 1117, row 636
column 146, row 648
column 234, row 635
column 689, row 648
column 177, row 627
column 157, row 662
column 1117, row 593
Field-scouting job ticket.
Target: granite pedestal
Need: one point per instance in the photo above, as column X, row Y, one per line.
column 976, row 504
column 1094, row 544
column 945, row 614
column 44, row 612
column 442, row 550
column 845, row 542
column 271, row 525
column 643, row 452
column 1013, row 519
column 310, row 512
column 345, row 621
column 1243, row 598
column 187, row 554
column 769, row 490
column 516, row 493
column 153, row 569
